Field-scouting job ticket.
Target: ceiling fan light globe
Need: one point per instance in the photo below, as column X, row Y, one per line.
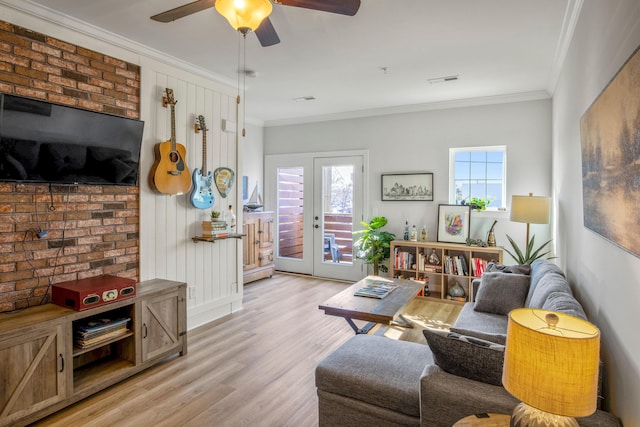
column 244, row 14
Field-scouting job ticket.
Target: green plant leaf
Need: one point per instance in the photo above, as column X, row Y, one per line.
column 530, row 254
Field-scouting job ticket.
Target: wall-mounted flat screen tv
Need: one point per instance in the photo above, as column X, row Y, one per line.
column 51, row 143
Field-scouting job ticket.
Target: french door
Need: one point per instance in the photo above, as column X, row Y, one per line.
column 318, row 200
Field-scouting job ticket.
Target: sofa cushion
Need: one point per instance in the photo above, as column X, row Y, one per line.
column 499, row 292
column 539, row 268
column 561, row 301
column 551, row 282
column 376, row 370
column 484, row 323
column 466, row 356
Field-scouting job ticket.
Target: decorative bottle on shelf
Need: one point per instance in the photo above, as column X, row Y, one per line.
column 406, row 230
column 413, row 234
column 424, row 234
column 433, row 258
column 231, row 219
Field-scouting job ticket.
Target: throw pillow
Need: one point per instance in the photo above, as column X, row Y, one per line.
column 517, row 269
column 487, row 336
column 500, row 292
column 466, row 356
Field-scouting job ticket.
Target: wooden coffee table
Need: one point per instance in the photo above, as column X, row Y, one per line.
column 372, row 310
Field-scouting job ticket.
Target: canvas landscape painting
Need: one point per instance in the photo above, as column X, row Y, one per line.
column 610, row 136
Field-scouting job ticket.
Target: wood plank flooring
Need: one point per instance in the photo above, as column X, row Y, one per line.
column 251, row 368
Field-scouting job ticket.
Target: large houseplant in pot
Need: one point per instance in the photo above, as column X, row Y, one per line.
column 373, row 246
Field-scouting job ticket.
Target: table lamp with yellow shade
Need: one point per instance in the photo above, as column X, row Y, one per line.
column 551, row 365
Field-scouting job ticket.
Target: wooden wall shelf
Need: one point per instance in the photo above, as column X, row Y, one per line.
column 213, row 239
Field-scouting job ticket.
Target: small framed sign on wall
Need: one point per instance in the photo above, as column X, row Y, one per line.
column 407, row 187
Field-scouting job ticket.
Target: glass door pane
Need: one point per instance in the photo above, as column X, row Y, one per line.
column 290, row 188
column 337, row 210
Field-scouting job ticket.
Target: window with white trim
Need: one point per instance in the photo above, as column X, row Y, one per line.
column 478, row 172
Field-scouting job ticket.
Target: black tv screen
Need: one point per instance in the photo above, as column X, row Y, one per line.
column 51, row 143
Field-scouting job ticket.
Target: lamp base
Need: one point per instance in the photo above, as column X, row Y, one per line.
column 526, row 416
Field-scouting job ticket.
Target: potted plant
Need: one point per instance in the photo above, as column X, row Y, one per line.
column 477, row 203
column 530, row 254
column 215, row 215
column 373, row 244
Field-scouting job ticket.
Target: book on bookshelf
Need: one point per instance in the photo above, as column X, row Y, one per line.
column 98, row 330
column 84, row 342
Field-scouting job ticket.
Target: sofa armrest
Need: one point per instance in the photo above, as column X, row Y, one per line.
column 475, row 285
column 447, row 398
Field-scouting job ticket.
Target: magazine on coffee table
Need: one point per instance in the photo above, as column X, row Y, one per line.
column 376, row 289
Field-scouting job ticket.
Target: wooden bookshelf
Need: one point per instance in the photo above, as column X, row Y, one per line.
column 457, row 264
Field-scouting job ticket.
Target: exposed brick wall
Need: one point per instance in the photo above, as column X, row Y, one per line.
column 92, row 229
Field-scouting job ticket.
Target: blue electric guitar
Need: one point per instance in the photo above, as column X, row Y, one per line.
column 202, row 194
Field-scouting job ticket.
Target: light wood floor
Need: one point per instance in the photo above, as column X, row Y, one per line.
column 252, row 368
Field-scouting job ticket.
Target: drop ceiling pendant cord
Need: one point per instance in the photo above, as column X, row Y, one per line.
column 244, row 82
column 238, row 97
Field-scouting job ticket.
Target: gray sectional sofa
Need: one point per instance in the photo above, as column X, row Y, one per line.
column 375, row 381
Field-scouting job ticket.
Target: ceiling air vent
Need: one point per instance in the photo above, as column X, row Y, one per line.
column 443, row 79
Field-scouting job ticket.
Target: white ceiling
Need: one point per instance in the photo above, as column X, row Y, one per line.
column 499, row 48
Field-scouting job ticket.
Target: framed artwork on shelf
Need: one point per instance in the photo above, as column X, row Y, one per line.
column 407, row 187
column 453, row 223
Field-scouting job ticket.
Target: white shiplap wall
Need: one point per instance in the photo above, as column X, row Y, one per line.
column 212, row 271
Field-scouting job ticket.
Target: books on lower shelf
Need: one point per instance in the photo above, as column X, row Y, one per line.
column 376, row 289
column 99, row 330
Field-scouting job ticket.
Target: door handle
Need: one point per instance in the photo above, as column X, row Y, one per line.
column 316, row 226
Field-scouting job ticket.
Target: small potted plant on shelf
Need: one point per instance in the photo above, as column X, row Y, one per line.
column 374, row 245
column 215, row 215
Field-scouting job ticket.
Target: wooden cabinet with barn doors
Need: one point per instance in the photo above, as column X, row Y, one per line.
column 257, row 256
column 44, row 368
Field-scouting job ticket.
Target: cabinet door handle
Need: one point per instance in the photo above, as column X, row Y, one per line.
column 144, row 328
column 61, row 363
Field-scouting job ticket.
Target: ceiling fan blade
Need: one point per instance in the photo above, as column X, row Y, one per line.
column 184, row 10
column 267, row 34
column 343, row 7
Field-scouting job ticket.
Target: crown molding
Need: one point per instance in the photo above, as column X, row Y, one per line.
column 53, row 16
column 571, row 14
column 403, row 109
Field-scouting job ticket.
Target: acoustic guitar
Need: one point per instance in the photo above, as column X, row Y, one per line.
column 202, row 191
column 171, row 174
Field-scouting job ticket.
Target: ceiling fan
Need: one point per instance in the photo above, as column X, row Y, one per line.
column 266, row 33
